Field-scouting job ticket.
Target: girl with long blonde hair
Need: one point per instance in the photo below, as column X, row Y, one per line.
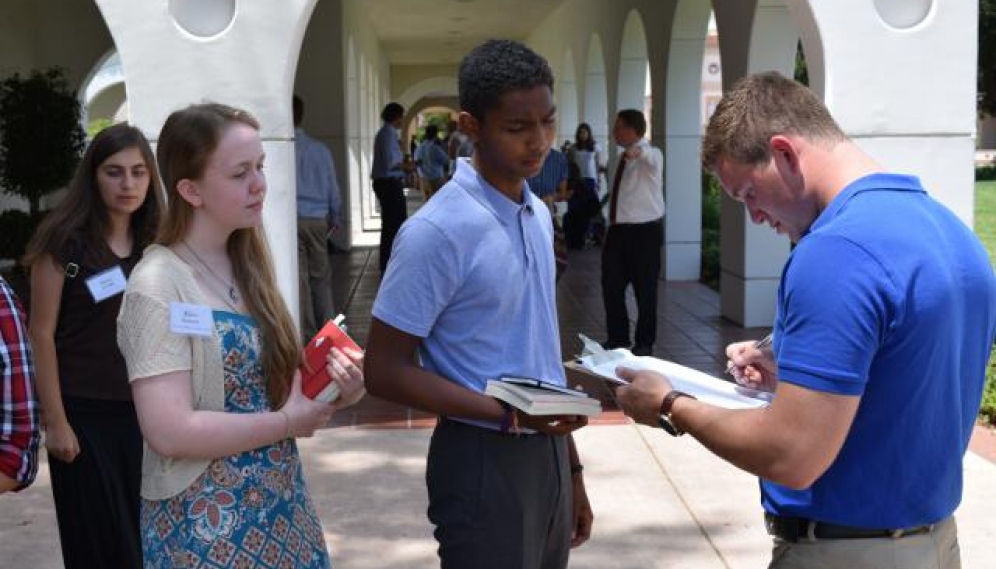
column 212, row 355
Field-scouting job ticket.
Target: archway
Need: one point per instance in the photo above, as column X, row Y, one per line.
column 633, row 67
column 103, row 95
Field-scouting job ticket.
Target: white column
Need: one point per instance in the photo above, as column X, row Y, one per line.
column 683, row 143
column 906, row 94
column 752, row 256
column 190, row 51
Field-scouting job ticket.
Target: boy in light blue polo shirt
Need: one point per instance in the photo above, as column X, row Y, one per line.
column 470, row 291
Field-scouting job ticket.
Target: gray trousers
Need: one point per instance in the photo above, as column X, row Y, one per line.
column 937, row 549
column 314, row 275
column 499, row 501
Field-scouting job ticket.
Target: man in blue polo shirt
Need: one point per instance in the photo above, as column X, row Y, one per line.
column 885, row 320
column 469, row 294
column 551, row 182
column 388, row 174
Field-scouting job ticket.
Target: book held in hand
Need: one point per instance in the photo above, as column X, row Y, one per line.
column 315, row 381
column 535, row 397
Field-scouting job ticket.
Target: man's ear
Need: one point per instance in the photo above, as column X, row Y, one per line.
column 470, row 125
column 189, row 191
column 785, row 154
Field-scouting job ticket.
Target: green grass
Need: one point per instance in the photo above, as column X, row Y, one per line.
column 985, row 228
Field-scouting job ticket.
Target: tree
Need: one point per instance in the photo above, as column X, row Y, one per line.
column 41, row 138
column 987, row 58
column 801, row 69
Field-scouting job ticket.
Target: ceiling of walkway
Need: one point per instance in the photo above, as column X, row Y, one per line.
column 427, row 32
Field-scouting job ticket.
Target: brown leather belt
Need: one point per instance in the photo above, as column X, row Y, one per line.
column 794, row 529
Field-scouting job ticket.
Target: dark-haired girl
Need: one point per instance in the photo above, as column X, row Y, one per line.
column 79, row 260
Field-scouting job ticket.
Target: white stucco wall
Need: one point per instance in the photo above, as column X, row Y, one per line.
column 250, row 64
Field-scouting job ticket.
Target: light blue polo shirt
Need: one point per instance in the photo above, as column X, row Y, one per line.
column 472, row 274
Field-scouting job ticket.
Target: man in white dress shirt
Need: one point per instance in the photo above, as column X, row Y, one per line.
column 632, row 251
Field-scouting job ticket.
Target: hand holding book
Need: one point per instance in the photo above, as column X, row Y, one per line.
column 541, row 406
column 320, row 363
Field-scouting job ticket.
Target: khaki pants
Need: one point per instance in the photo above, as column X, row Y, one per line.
column 314, row 275
column 937, row 549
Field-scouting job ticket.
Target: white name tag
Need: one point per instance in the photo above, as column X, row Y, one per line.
column 106, row 284
column 190, row 319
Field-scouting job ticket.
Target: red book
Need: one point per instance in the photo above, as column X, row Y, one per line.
column 315, row 380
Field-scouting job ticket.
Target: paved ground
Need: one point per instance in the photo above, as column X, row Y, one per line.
column 659, row 502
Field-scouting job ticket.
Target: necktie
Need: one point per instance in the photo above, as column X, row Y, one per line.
column 614, row 200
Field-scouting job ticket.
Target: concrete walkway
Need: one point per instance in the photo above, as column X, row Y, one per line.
column 659, row 502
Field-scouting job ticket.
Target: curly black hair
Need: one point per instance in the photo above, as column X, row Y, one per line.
column 497, row 67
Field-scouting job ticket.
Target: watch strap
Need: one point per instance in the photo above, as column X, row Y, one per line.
column 668, row 401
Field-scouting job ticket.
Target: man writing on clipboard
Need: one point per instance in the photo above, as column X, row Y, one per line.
column 877, row 371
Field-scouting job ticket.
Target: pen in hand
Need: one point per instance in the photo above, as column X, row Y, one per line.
column 762, row 343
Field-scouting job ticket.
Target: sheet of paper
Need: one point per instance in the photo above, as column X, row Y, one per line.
column 692, row 381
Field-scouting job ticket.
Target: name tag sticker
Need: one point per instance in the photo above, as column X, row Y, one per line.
column 106, row 284
column 190, row 319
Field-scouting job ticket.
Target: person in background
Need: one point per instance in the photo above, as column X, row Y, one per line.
column 318, row 205
column 470, row 297
column 584, row 204
column 458, row 146
column 550, row 185
column 388, row 174
column 79, row 261
column 432, row 161
column 632, row 249
column 20, row 430
column 886, row 316
column 213, row 356
column 551, row 181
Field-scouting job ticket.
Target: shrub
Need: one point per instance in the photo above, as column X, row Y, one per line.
column 42, row 136
column 709, row 273
column 983, row 173
column 17, row 227
column 987, row 412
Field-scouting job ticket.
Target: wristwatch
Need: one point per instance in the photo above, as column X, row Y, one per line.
column 664, row 420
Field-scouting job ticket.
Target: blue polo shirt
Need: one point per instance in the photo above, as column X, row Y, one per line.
column 554, row 172
column 889, row 297
column 472, row 274
column 387, row 156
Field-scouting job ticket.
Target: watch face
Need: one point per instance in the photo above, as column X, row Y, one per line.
column 668, row 426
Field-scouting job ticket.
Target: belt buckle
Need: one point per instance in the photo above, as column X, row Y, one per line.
column 784, row 528
column 898, row 533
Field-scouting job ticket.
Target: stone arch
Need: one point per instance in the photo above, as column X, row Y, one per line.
column 633, row 65
column 157, row 53
column 103, row 92
column 440, row 86
column 762, row 37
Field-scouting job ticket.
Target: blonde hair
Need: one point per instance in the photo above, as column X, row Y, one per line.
column 759, row 107
column 186, row 143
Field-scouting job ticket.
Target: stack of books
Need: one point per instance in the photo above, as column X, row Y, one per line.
column 535, row 397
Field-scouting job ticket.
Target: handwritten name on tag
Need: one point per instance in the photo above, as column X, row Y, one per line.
column 190, row 319
column 106, row 284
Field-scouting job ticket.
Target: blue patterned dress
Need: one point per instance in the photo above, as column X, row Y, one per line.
column 247, row 510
